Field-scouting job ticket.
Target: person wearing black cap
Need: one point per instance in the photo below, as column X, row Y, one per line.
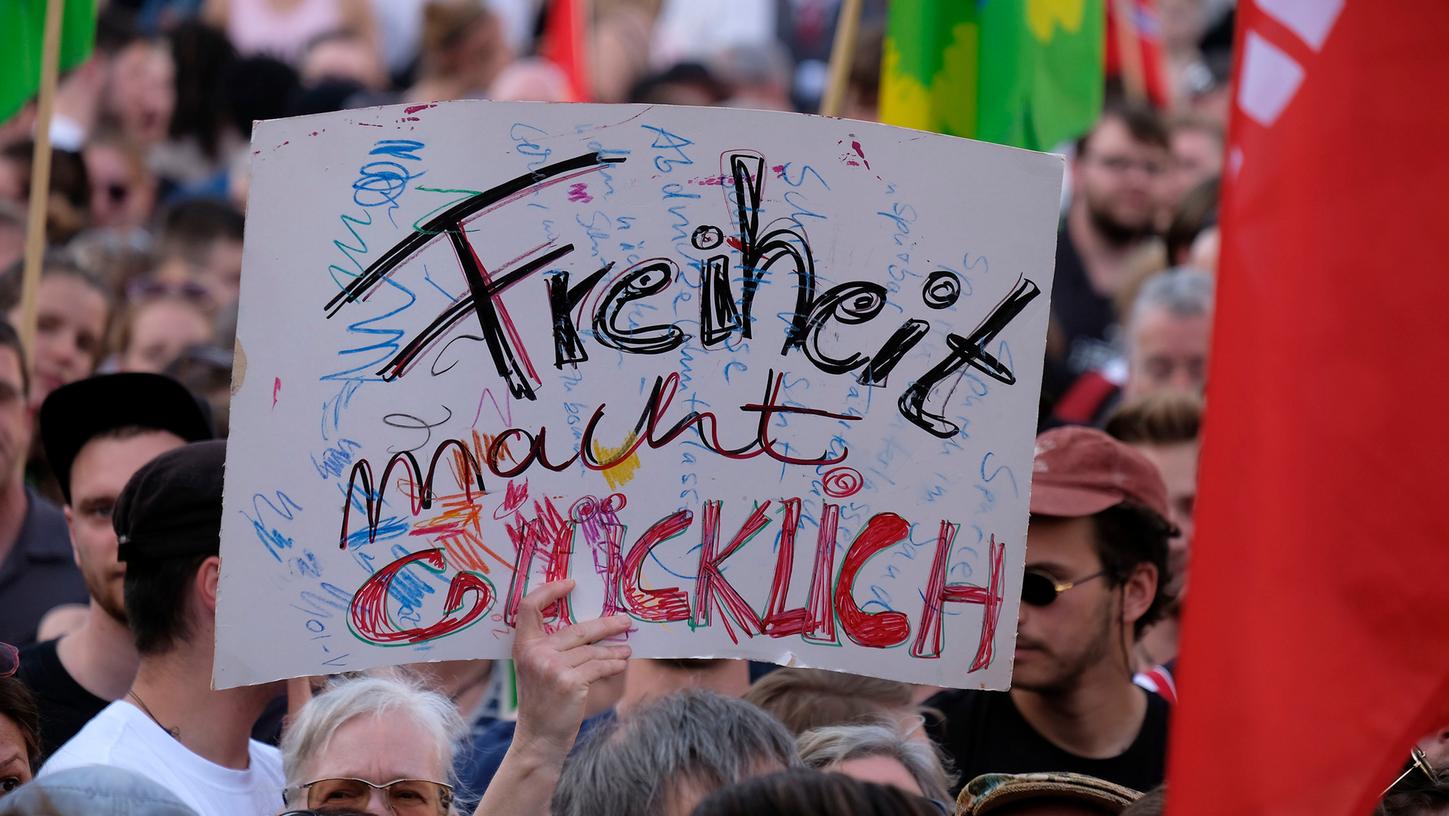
column 36, row 571
column 93, row 453
column 172, row 727
column 1095, row 549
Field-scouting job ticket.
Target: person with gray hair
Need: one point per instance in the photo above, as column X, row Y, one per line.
column 367, row 737
column 877, row 752
column 1168, row 333
column 384, row 745
column 665, row 757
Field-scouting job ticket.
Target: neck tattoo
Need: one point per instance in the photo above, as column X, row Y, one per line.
column 174, row 732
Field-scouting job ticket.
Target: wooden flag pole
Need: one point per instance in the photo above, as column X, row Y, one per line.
column 842, row 54
column 40, row 176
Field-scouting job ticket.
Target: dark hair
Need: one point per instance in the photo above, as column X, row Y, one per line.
column 1151, row 803
column 197, row 222
column 202, row 55
column 17, row 703
column 1163, row 418
column 693, row 74
column 156, row 595
column 804, row 791
column 804, row 699
column 1129, row 535
column 1197, row 211
column 1420, row 798
column 1142, row 123
column 10, row 338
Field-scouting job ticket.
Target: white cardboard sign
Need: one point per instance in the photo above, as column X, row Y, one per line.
column 766, row 382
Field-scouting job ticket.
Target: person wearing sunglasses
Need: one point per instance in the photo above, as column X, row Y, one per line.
column 1096, row 550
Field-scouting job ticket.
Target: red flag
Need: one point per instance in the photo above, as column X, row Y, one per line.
column 1316, row 640
column 564, row 45
column 1134, row 49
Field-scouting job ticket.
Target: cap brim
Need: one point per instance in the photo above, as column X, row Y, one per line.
column 1070, row 502
column 74, row 414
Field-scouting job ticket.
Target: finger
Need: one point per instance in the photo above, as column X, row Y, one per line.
column 582, row 654
column 589, row 631
column 530, row 611
column 601, row 669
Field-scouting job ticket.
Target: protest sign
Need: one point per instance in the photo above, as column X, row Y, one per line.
column 766, row 382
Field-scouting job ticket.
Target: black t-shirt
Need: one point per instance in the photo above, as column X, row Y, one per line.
column 65, row 706
column 983, row 732
column 1084, row 316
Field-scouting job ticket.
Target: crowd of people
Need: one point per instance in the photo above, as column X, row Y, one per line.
column 112, row 454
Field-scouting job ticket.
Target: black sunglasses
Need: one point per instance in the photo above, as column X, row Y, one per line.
column 1040, row 589
column 9, row 660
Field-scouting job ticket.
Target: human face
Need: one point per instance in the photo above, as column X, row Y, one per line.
column 882, row 770
column 143, row 91
column 379, row 751
column 14, row 416
column 99, row 472
column 1178, row 465
column 160, row 332
column 69, row 325
column 14, row 761
column 1056, row 644
column 1116, row 177
column 121, row 193
column 1167, row 352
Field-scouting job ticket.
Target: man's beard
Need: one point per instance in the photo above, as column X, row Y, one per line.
column 1113, row 231
column 110, row 601
column 1069, row 671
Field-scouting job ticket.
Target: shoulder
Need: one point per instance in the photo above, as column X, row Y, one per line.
column 98, row 743
column 266, row 759
column 44, row 531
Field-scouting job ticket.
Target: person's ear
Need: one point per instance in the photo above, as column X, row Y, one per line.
column 1138, row 592
column 207, row 579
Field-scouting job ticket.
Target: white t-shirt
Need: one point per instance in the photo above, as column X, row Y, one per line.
column 122, row 735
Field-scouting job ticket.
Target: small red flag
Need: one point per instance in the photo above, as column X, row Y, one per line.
column 1316, row 632
column 565, row 45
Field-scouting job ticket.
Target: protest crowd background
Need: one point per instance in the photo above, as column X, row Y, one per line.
column 111, row 409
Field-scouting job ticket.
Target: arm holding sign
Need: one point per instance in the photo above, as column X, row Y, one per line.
column 554, row 674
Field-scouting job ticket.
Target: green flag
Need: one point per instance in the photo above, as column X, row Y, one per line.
column 22, row 34
column 1026, row 73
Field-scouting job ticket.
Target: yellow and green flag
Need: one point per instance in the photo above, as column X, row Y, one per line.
column 22, row 35
column 1026, row 73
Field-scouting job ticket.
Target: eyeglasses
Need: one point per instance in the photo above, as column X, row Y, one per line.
column 1119, row 165
column 405, row 797
column 1418, row 761
column 9, row 660
column 1040, row 589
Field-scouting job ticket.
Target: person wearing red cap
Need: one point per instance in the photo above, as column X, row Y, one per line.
column 1096, row 547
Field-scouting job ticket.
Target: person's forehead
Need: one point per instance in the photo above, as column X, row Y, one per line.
column 371, row 746
column 104, row 452
column 1056, row 541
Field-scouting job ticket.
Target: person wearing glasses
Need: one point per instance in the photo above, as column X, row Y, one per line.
column 1110, row 219
column 1096, row 566
column 384, row 745
column 172, row 727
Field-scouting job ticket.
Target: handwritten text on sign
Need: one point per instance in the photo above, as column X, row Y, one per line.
column 765, row 382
